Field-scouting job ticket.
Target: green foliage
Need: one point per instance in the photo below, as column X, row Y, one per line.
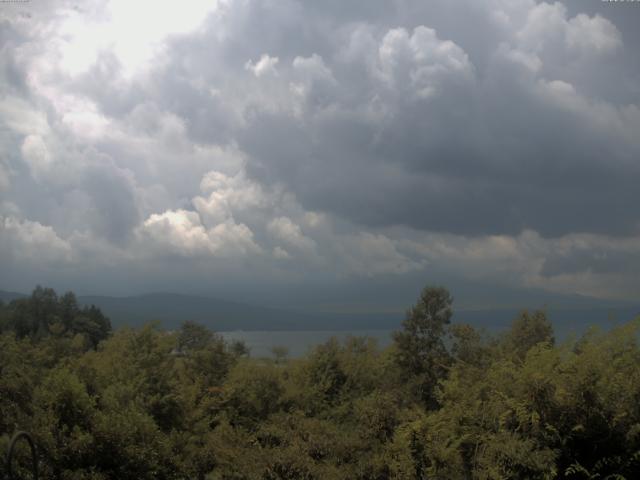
column 528, row 330
column 420, row 348
column 45, row 314
column 194, row 337
column 280, row 353
column 251, row 393
column 149, row 404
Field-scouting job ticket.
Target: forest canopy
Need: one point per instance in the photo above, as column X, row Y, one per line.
column 443, row 401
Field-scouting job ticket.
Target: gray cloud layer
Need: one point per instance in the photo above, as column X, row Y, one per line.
column 492, row 141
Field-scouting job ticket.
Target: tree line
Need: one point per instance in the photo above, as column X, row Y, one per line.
column 443, row 401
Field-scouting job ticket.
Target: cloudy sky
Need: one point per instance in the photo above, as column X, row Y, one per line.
column 341, row 154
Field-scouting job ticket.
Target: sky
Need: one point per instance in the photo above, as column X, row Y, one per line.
column 332, row 154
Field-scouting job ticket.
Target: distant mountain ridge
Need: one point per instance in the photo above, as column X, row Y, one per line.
column 223, row 315
column 8, row 296
column 171, row 309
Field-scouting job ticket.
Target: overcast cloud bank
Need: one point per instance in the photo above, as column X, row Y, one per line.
column 288, row 141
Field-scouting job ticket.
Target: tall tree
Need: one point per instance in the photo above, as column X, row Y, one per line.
column 420, row 348
column 527, row 330
column 193, row 336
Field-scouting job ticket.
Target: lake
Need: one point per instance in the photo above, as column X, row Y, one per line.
column 566, row 324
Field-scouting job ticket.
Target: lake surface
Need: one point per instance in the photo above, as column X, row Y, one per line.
column 566, row 324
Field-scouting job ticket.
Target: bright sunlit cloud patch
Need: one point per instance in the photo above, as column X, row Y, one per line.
column 133, row 31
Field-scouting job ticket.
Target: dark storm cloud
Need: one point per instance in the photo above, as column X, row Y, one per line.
column 492, row 141
column 493, row 150
column 598, row 260
column 484, row 154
